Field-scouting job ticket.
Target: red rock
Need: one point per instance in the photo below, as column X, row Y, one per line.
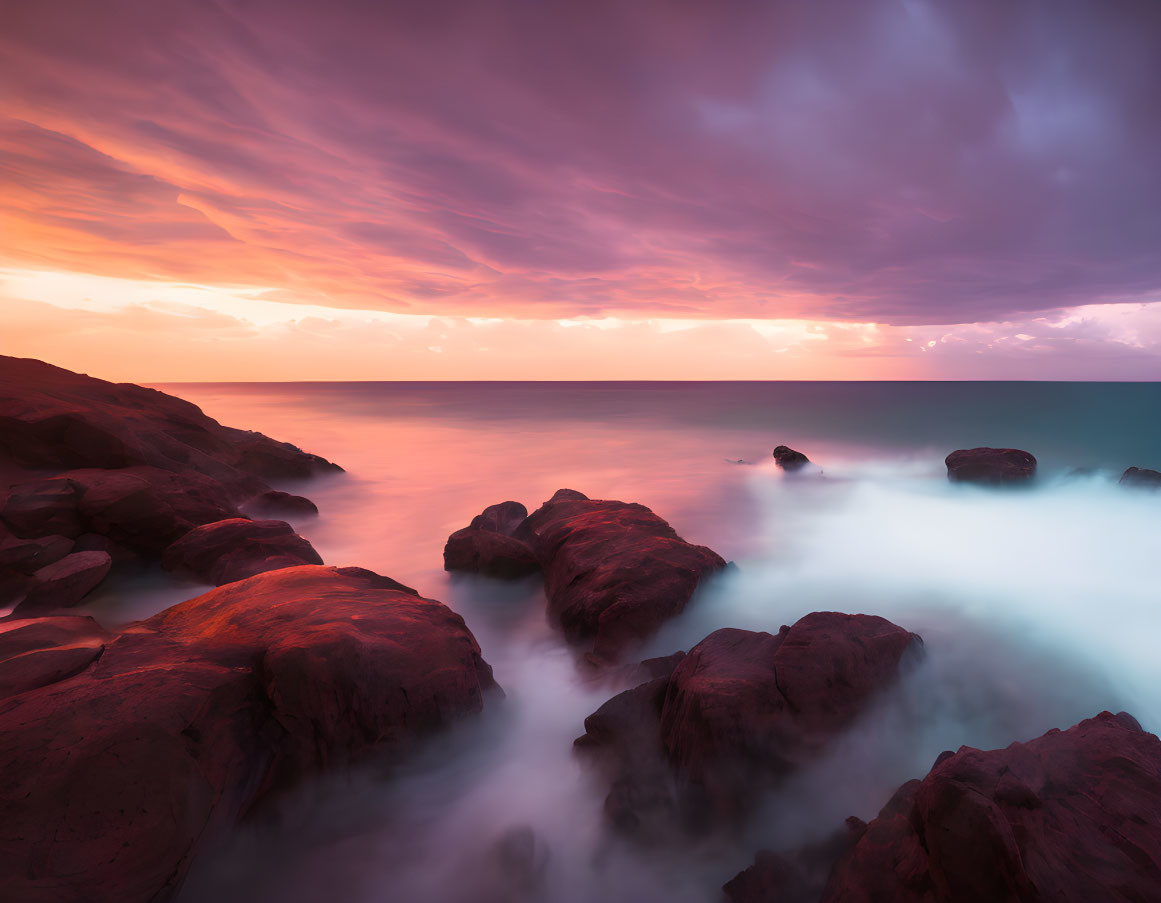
column 273, row 503
column 1141, row 477
column 613, row 572
column 28, row 555
column 489, row 546
column 53, row 418
column 506, row 518
column 740, row 712
column 789, row 459
column 43, row 508
column 490, row 553
column 990, row 465
column 1073, row 817
column 796, row 877
column 146, row 508
column 39, row 651
column 64, row 583
column 236, row 548
column 111, row 779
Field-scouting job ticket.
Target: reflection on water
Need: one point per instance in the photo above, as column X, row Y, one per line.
column 1038, row 608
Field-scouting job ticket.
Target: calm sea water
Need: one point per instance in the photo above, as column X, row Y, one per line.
column 1038, row 608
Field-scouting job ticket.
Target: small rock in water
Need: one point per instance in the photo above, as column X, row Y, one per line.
column 992, row 466
column 789, row 459
column 1141, row 477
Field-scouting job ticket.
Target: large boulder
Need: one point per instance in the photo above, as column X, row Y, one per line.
column 738, row 713
column 237, row 548
column 1072, row 816
column 488, row 545
column 112, row 778
column 64, row 583
column 990, row 466
column 614, row 572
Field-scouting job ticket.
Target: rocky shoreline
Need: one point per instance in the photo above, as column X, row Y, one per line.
column 124, row 752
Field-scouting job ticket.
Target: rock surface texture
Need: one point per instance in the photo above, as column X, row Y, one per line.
column 1070, row 817
column 613, row 571
column 990, row 466
column 738, row 713
column 121, row 754
column 237, row 548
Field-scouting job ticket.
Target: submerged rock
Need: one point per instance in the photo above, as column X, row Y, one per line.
column 1072, row 817
column 1141, row 477
column 789, row 459
column 738, row 713
column 990, row 466
column 237, row 548
column 111, row 779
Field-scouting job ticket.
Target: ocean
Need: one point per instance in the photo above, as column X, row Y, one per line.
column 1038, row 607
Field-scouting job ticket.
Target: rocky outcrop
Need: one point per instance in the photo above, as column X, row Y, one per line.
column 237, row 548
column 1140, row 477
column 489, row 545
column 990, row 466
column 613, row 572
column 51, row 418
column 120, row 470
column 111, row 778
column 789, row 459
column 1073, row 816
column 740, row 712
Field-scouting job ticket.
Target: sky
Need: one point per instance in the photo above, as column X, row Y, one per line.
column 535, row 189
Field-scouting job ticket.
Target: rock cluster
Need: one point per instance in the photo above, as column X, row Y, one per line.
column 613, row 571
column 122, row 754
column 109, row 474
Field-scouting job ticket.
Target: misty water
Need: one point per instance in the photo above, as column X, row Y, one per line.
column 1038, row 607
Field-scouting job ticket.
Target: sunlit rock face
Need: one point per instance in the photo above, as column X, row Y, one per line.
column 1072, row 816
column 151, row 741
column 736, row 715
column 613, row 571
column 990, row 466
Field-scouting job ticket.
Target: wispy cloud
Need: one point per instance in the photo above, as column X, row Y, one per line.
column 898, row 162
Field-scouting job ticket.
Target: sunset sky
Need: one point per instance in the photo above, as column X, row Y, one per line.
column 527, row 189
